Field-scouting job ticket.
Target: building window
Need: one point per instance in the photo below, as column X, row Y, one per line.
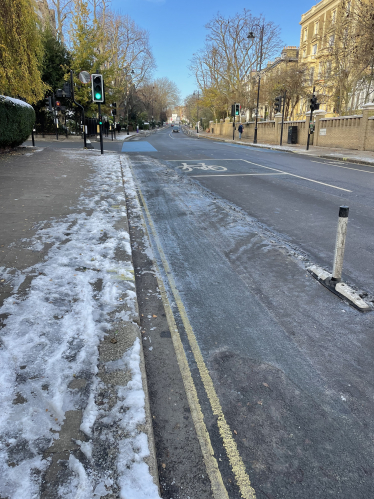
column 348, row 8
column 331, row 41
column 314, row 49
column 316, row 28
column 328, row 69
column 311, row 76
column 320, row 71
column 304, row 54
column 305, row 34
column 301, row 105
column 333, row 16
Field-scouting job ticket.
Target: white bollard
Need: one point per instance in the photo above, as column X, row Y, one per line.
column 340, row 243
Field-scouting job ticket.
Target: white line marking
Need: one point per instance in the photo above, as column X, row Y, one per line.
column 238, row 174
column 204, row 159
column 298, row 176
column 345, row 167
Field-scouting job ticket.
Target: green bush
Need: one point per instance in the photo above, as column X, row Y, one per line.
column 16, row 121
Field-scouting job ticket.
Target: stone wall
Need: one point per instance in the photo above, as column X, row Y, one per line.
column 349, row 132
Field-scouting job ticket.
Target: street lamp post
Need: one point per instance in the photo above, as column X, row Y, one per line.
column 198, row 97
column 251, row 35
column 128, row 72
column 153, row 88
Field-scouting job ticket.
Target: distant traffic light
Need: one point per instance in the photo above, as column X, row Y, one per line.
column 277, row 104
column 114, row 108
column 58, row 105
column 48, row 103
column 314, row 104
column 97, row 88
column 237, row 109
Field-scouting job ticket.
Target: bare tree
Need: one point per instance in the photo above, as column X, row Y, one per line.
column 158, row 96
column 347, row 62
column 63, row 10
column 229, row 56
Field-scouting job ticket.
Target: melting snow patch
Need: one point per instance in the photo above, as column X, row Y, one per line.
column 50, row 338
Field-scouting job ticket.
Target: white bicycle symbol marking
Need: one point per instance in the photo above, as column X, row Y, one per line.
column 202, row 166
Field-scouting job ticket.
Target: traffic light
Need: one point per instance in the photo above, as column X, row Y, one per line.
column 237, row 109
column 97, row 88
column 277, row 104
column 114, row 108
column 66, row 90
column 58, row 105
column 314, row 104
column 48, row 103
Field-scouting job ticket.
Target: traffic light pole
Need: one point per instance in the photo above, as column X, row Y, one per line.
column 233, row 129
column 284, row 105
column 310, row 121
column 76, row 103
column 101, row 129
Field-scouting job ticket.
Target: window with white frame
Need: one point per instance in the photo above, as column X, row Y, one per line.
column 333, row 16
column 348, row 8
column 331, row 41
column 314, row 49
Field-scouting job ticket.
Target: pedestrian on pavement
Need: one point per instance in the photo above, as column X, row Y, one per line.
column 240, row 129
column 106, row 128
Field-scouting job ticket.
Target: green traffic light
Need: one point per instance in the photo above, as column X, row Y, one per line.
column 97, row 96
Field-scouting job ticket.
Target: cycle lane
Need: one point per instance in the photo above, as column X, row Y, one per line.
column 257, row 347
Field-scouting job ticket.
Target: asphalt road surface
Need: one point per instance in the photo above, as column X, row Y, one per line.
column 281, row 367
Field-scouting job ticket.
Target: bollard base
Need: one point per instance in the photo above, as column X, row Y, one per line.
column 340, row 289
column 89, row 145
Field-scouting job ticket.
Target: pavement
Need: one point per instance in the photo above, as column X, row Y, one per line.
column 75, row 419
column 363, row 157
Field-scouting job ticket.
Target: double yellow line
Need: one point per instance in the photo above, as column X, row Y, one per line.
column 236, row 462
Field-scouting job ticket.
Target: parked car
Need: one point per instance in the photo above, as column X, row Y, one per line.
column 176, row 128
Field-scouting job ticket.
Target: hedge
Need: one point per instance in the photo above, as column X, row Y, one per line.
column 16, row 121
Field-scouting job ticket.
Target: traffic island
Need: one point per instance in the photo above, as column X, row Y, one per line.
column 340, row 289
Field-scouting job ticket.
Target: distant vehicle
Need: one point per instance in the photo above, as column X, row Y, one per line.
column 172, row 124
column 176, row 128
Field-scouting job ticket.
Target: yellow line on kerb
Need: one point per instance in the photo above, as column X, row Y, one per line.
column 218, row 487
column 229, row 443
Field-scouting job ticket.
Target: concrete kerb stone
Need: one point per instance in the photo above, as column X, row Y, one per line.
column 133, row 329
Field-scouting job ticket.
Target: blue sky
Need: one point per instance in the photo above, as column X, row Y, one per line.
column 176, row 28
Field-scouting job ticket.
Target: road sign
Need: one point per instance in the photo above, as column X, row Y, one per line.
column 84, row 77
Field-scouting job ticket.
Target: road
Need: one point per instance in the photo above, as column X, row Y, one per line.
column 281, row 367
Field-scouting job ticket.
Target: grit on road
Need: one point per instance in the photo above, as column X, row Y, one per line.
column 281, row 367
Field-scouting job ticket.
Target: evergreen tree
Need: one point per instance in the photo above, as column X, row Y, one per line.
column 21, row 51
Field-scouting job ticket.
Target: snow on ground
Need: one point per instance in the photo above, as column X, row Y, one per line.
column 51, row 337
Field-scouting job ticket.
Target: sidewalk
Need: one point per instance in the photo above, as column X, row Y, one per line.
column 75, row 418
column 364, row 157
